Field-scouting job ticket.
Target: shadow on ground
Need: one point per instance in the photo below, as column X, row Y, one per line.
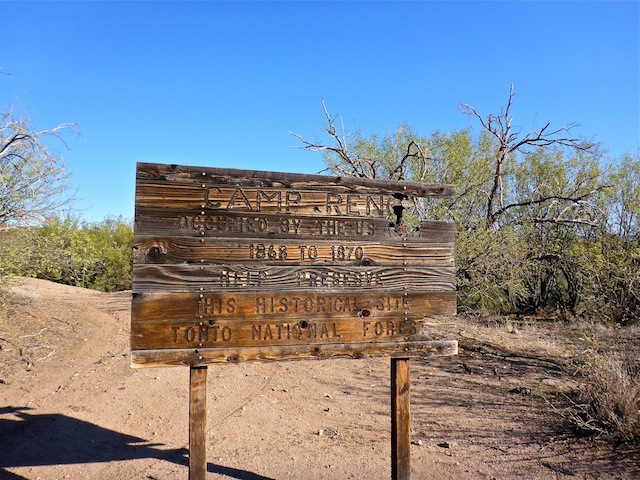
column 28, row 440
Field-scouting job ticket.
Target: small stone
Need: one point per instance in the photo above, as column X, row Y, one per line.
column 448, row 444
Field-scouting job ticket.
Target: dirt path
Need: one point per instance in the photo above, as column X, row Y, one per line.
column 70, row 407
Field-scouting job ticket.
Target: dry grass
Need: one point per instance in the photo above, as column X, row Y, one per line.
column 608, row 401
column 600, row 364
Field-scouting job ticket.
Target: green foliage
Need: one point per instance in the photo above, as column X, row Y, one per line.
column 623, row 199
column 488, row 270
column 567, row 236
column 542, row 224
column 610, row 273
column 68, row 251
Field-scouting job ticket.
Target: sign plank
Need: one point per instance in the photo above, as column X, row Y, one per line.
column 291, row 252
column 254, row 333
column 245, row 278
column 236, row 265
column 181, row 174
column 265, row 200
column 190, row 356
column 169, row 307
column 153, row 221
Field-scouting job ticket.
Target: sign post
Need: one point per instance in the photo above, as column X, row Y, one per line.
column 197, row 423
column 235, row 265
column 400, row 420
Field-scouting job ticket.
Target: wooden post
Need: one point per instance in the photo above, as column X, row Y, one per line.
column 198, row 423
column 400, row 420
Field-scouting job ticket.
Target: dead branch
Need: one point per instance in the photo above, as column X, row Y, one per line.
column 574, row 201
column 566, row 221
column 356, row 167
column 34, row 178
column 510, row 141
column 400, row 170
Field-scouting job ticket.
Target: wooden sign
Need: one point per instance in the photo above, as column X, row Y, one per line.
column 234, row 265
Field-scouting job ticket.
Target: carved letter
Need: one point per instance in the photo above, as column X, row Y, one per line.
column 238, row 192
column 260, row 305
column 277, row 195
column 175, row 333
column 351, row 206
column 333, row 200
column 293, row 198
column 226, row 333
column 378, row 206
column 256, row 332
column 325, row 330
column 208, row 201
column 267, row 332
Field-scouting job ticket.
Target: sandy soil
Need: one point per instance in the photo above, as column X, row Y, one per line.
column 70, row 406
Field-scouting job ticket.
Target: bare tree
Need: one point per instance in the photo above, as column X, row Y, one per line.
column 344, row 158
column 410, row 157
column 33, row 179
column 526, row 206
column 510, row 141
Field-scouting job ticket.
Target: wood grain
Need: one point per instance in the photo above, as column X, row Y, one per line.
column 167, row 307
column 163, row 173
column 198, row 222
column 238, row 278
column 154, row 358
column 220, row 198
column 198, row 423
column 255, row 333
column 289, row 252
column 400, row 420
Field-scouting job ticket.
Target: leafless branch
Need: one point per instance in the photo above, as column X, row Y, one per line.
column 573, row 201
column 399, row 172
column 510, row 141
column 33, row 175
column 566, row 221
column 358, row 167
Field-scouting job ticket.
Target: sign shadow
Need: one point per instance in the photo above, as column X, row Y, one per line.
column 29, row 440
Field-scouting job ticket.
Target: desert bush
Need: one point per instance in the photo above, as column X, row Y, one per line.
column 113, row 240
column 488, row 270
column 609, row 399
column 13, row 256
column 72, row 252
column 610, row 275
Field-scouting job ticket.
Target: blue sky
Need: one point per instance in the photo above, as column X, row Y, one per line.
column 222, row 83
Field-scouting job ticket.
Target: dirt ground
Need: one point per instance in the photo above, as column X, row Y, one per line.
column 70, row 406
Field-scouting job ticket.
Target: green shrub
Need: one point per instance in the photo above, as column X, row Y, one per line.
column 68, row 251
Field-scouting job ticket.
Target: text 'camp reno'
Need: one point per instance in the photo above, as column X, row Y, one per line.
column 292, row 201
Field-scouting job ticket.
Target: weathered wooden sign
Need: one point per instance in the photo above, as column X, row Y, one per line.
column 234, row 265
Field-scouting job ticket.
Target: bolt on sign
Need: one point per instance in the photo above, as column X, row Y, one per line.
column 234, row 265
